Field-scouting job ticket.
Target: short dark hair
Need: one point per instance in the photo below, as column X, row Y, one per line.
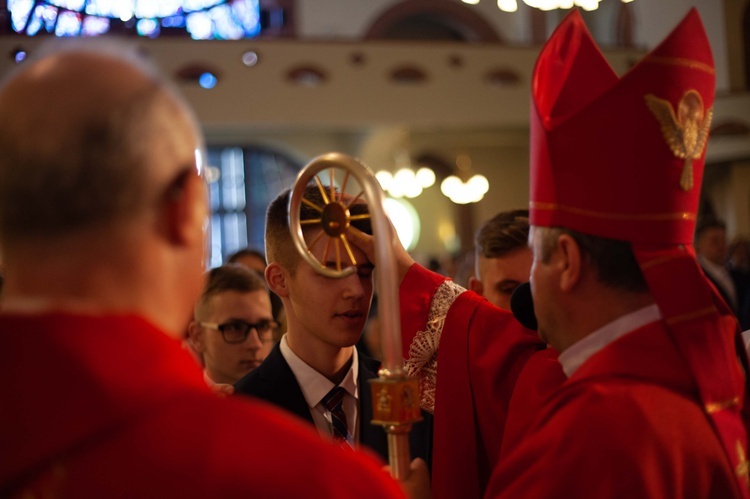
column 249, row 252
column 707, row 222
column 613, row 260
column 230, row 277
column 279, row 245
column 502, row 234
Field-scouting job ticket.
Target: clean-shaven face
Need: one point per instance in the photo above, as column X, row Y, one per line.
column 331, row 312
column 502, row 275
column 225, row 362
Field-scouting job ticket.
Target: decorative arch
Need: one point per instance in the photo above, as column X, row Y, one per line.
column 432, row 20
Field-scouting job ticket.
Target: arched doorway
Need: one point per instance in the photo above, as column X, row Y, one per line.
column 432, row 20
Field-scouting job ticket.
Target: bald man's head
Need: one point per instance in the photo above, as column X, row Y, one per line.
column 87, row 139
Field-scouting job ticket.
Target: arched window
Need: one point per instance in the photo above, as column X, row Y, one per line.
column 242, row 183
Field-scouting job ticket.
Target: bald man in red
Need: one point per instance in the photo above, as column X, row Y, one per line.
column 102, row 218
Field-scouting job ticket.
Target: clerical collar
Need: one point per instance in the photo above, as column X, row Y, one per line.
column 578, row 353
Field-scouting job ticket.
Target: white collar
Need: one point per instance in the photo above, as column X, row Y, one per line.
column 314, row 385
column 578, row 353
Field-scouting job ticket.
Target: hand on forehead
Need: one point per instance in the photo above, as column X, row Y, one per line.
column 330, row 250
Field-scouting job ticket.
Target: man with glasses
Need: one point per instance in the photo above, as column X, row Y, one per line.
column 234, row 329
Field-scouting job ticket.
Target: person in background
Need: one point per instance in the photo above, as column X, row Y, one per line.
column 250, row 258
column 739, row 254
column 233, row 328
column 711, row 249
column 502, row 257
column 738, row 263
column 102, row 216
column 256, row 260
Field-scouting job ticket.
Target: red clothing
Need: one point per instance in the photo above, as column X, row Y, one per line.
column 112, row 407
column 628, row 423
column 539, row 379
column 468, row 389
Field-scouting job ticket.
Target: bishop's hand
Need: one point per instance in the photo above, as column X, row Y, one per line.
column 366, row 243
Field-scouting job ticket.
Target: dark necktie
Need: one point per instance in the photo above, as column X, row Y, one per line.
column 334, row 402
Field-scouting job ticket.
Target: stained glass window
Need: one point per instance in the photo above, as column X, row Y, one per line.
column 200, row 19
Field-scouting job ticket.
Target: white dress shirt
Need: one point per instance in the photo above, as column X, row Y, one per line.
column 578, row 353
column 315, row 387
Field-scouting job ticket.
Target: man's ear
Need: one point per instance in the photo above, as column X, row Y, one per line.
column 476, row 285
column 570, row 262
column 184, row 209
column 277, row 279
column 196, row 337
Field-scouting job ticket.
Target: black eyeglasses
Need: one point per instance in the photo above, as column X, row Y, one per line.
column 236, row 331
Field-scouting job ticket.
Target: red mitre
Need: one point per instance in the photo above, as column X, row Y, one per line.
column 607, row 154
column 622, row 158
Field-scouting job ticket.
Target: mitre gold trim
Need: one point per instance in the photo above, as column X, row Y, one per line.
column 657, row 217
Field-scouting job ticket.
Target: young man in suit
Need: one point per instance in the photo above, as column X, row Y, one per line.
column 233, row 328
column 317, row 354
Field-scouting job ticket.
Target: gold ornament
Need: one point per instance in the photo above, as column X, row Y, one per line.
column 686, row 133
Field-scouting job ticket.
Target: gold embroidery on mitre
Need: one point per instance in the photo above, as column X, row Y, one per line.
column 604, row 215
column 686, row 132
column 682, row 61
column 712, row 407
column 743, row 466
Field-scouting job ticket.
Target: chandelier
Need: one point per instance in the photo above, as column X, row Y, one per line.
column 465, row 186
column 407, row 182
column 512, row 5
column 462, row 187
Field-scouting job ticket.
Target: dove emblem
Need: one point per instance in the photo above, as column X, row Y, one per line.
column 685, row 132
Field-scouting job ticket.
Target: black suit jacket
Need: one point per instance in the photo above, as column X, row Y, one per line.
column 274, row 382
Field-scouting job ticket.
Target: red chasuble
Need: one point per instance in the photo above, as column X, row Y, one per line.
column 539, row 379
column 628, row 423
column 469, row 387
column 111, row 407
column 639, row 140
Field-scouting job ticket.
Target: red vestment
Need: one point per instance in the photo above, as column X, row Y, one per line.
column 628, row 423
column 109, row 406
column 539, row 378
column 470, row 387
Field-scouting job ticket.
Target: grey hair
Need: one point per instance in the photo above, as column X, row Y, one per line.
column 54, row 179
